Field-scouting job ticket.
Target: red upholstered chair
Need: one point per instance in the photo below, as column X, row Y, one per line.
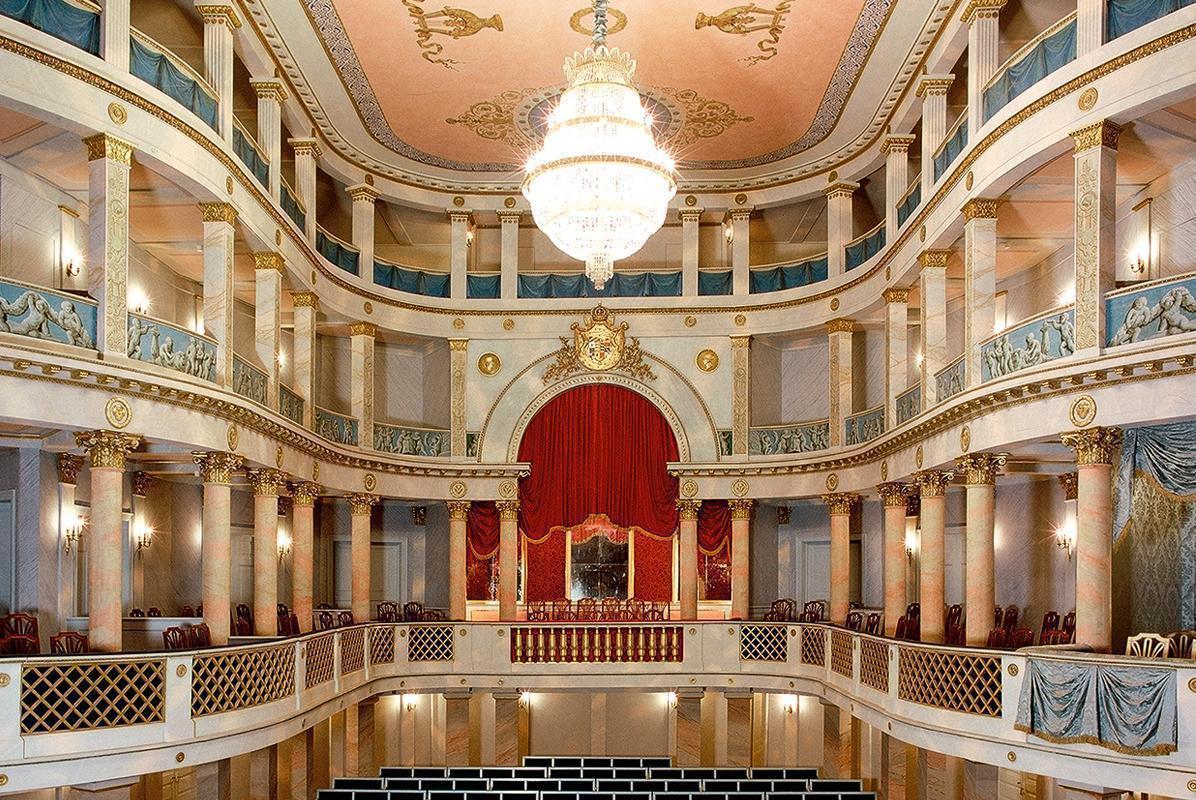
column 996, row 638
column 1050, row 622
column 18, row 624
column 67, row 643
column 612, row 609
column 855, row 620
column 813, row 611
column 243, row 620
column 175, row 638
column 200, row 636
column 1011, row 617
column 387, row 612
column 1022, row 637
column 587, row 610
column 998, row 617
column 154, row 612
column 186, row 611
column 956, row 635
column 636, row 609
column 902, row 627
column 655, row 612
column 1069, row 624
column 137, row 612
column 537, row 611
column 954, row 616
column 1056, row 636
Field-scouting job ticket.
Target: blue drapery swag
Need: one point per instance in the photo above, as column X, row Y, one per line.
column 1047, row 56
column 338, row 254
column 623, row 284
column 1124, row 16
column 911, row 202
column 290, row 205
column 483, row 287
column 713, row 283
column 1122, row 708
column 157, row 70
column 250, row 157
column 60, row 19
column 788, row 276
column 951, row 149
column 857, row 253
column 414, row 281
column 1164, row 453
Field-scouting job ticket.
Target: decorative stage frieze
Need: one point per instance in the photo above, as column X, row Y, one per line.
column 599, row 345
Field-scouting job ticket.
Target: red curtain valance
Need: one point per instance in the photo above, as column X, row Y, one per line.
column 714, row 527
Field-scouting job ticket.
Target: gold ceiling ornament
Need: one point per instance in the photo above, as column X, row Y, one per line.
column 216, row 467
column 1083, row 411
column 107, row 449
column 1070, row 481
column 233, row 436
column 739, row 487
column 840, row 503
column 494, row 119
column 702, row 118
column 457, row 489
column 980, row 469
column 118, row 412
column 361, row 504
column 689, row 488
column 707, row 360
column 617, row 24
column 450, row 23
column 508, row 489
column 748, row 21
column 965, row 438
column 117, row 113
column 1094, row 445
column 599, row 345
column 69, row 465
column 369, row 481
column 489, row 364
column 832, row 482
column 933, row 482
column 893, row 494
column 1088, row 98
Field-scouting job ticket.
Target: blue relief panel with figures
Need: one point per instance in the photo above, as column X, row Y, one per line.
column 249, row 381
column 804, row 437
column 909, row 404
column 161, row 343
column 411, row 441
column 336, row 427
column 1028, row 345
column 865, row 426
column 45, row 314
column 1164, row 309
column 290, row 405
column 949, row 381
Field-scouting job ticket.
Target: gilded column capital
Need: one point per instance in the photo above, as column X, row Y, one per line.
column 458, row 345
column 363, row 329
column 933, row 482
column 363, row 193
column 979, row 208
column 304, row 493
column 896, row 143
column 219, row 15
column 934, row 85
column 361, row 503
column 980, row 9
column 928, row 259
column 218, row 212
column 69, row 465
column 267, row 259
column 841, row 189
column 507, row 509
column 305, row 300
column 141, row 482
column 894, row 493
column 840, row 325
column 1070, row 481
column 458, row 509
column 980, row 469
column 107, row 449
column 688, row 510
column 1094, row 445
column 741, row 342
column 265, row 482
column 217, row 467
column 270, row 89
column 1099, row 134
column 896, row 294
column 306, row 146
column 840, row 503
column 741, row 507
column 104, row 145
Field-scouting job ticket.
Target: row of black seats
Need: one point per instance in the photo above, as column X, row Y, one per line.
column 597, row 761
column 597, row 773
column 650, row 785
column 816, row 793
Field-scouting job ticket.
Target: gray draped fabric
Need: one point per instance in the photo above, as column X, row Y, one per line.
column 1124, row 708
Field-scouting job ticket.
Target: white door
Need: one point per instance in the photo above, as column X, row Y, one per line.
column 816, row 571
column 342, row 573
column 386, row 572
column 955, row 565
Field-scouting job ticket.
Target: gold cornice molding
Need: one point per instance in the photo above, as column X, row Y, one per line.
column 363, row 329
column 270, row 89
column 107, row 449
column 1094, row 445
column 69, row 465
column 894, row 143
column 841, row 325
column 934, row 84
column 741, row 507
column 895, row 294
column 687, row 510
column 104, row 145
column 980, row 208
column 1104, row 133
column 1070, row 481
column 361, row 504
column 980, row 469
column 305, row 300
column 976, row 9
column 841, row 189
column 218, row 212
column 933, row 258
column 217, row 467
column 308, row 146
column 267, row 260
column 840, row 503
column 363, row 192
column 932, row 482
column 220, row 15
column 265, row 482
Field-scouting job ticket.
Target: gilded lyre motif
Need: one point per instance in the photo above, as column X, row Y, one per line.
column 748, row 19
column 599, row 346
column 454, row 23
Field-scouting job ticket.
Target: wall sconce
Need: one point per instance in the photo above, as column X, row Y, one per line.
column 729, row 232
column 919, row 359
column 911, row 543
column 672, row 699
column 143, row 536
column 71, row 265
column 1065, row 537
column 790, row 704
column 284, row 545
column 1139, row 262
column 138, row 302
column 525, row 699
column 469, row 234
column 72, row 531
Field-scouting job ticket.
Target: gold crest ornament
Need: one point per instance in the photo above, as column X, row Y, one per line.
column 599, row 345
column 489, row 364
column 707, row 360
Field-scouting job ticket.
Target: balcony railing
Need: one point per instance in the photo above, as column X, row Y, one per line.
column 250, row 154
column 799, row 437
column 645, row 283
column 864, row 247
column 909, row 404
column 1042, row 338
column 715, row 282
column 163, row 70
column 483, row 286
column 290, row 405
column 340, row 254
column 336, row 427
column 249, row 381
column 76, row 22
column 41, row 313
column 291, row 206
column 910, row 202
column 1042, row 55
column 1152, row 310
column 1123, row 16
column 410, row 441
column 864, row 426
column 954, row 144
column 949, row 380
column 157, row 341
column 788, row 276
column 411, row 279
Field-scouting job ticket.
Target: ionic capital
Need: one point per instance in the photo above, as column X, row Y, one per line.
column 458, row 509
column 510, row 217
column 459, row 216
column 980, row 469
column 508, row 510
column 894, row 493
column 217, row 467
column 361, row 503
column 933, row 482
column 741, row 508
column 1094, row 445
column 840, row 503
column 688, row 510
column 107, row 449
column 265, row 482
column 69, row 465
column 690, row 215
column 1100, row 134
column 304, row 494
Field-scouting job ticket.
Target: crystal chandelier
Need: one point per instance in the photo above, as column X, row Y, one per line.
column 600, row 185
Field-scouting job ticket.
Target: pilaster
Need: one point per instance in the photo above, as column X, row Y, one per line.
column 305, row 307
column 220, row 21
column 265, row 483
column 267, row 319
column 109, row 160
column 114, row 34
column 893, row 496
column 741, row 250
column 932, row 486
column 458, row 514
column 980, row 281
column 983, row 20
column 216, row 472
column 896, row 151
column 1095, row 230
column 303, row 502
column 741, row 399
column 840, row 504
column 741, row 551
column 508, row 558
column 509, row 260
column 306, row 150
column 896, row 350
column 840, row 336
column 690, row 229
column 219, row 227
column 1091, row 21
column 270, row 96
column 460, row 235
column 458, row 366
column 364, row 197
column 933, row 91
column 980, row 477
column 361, row 506
column 840, row 225
column 687, row 514
column 933, row 280
column 362, row 336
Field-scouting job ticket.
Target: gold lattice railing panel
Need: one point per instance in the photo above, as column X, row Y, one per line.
column 229, row 681
column 813, row 646
column 841, row 653
column 763, row 643
column 951, row 680
column 560, row 644
column 430, row 643
column 382, row 645
column 352, row 649
column 874, row 664
column 92, row 694
column 319, row 660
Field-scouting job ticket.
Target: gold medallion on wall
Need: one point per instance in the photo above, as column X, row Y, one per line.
column 508, row 324
column 370, row 481
column 965, row 438
column 315, row 470
column 489, row 364
column 884, row 470
column 707, row 360
column 278, row 236
column 834, row 304
column 233, row 436
column 832, row 482
column 918, row 454
column 228, row 184
column 458, row 324
column 508, row 489
column 689, row 487
column 739, row 487
column 367, row 307
column 117, row 113
column 457, row 489
column 690, row 321
column 1082, row 411
column 1088, row 98
column 278, row 457
column 118, row 412
column 740, row 320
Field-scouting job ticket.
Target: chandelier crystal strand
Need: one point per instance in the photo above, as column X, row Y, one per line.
column 600, row 185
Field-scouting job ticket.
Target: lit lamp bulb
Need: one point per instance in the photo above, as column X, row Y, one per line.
column 911, row 543
column 284, row 544
column 1065, row 537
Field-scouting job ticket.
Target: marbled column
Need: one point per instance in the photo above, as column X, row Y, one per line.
column 361, row 506
column 896, row 151
column 216, row 472
column 109, row 160
column 896, row 350
column 932, row 485
column 741, row 243
column 219, row 221
column 687, row 513
column 305, row 307
column 984, row 42
column 219, row 23
column 1096, row 230
column 508, row 559
column 840, row 504
column 980, row 477
column 266, row 483
column 933, row 91
column 303, row 507
column 979, row 281
column 1091, row 16
column 458, row 365
column 741, row 397
column 270, row 97
column 1096, row 449
column 690, row 219
column 267, row 325
column 741, row 553
column 114, row 33
column 933, row 282
column 459, row 224
column 893, row 495
column 840, row 349
column 364, row 197
column 840, row 224
column 362, row 376
column 458, row 514
column 307, row 150
column 508, row 222
column 106, row 451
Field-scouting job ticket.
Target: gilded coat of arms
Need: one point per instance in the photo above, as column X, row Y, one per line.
column 599, row 345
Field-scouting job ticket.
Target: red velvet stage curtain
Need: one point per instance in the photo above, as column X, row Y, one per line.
column 481, row 552
column 714, row 550
column 653, row 566
column 596, row 449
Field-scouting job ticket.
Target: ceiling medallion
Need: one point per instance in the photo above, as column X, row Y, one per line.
column 598, row 190
column 117, row 113
column 618, row 21
column 599, row 345
column 118, row 412
column 1082, row 411
column 707, row 360
column 489, row 364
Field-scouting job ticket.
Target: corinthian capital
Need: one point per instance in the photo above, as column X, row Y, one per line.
column 304, row 493
column 361, row 503
column 1094, row 445
column 69, row 465
column 688, row 509
column 840, row 503
column 980, row 469
column 217, row 467
column 893, row 493
column 507, row 509
column 107, row 448
column 932, row 482
column 458, row 509
column 266, row 482
column 741, row 508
